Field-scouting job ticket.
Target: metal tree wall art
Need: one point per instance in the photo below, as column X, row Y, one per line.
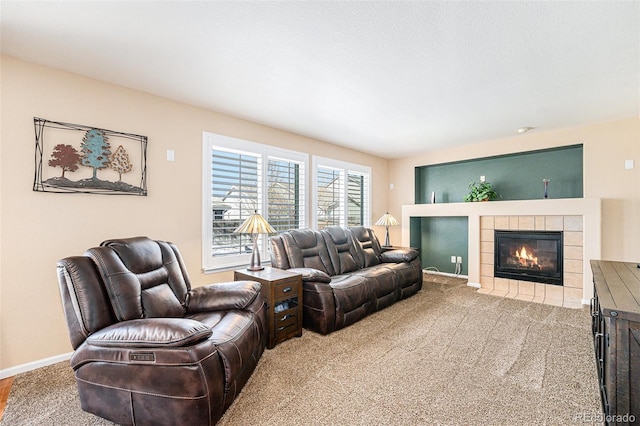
column 66, row 157
column 89, row 166
column 95, row 151
column 120, row 162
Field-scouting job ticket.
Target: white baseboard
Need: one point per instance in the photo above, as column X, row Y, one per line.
column 446, row 274
column 23, row 368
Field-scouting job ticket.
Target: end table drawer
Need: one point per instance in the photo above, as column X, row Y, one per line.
column 287, row 329
column 285, row 318
column 286, row 289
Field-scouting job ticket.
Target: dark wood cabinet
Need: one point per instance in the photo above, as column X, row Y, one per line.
column 615, row 311
column 283, row 293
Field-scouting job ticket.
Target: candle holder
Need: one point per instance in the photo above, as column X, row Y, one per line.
column 546, row 187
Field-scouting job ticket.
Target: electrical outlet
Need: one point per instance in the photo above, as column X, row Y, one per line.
column 459, row 259
column 453, row 259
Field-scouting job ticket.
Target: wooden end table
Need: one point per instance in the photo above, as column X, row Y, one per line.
column 283, row 292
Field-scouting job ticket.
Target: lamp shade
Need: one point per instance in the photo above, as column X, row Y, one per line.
column 387, row 220
column 255, row 224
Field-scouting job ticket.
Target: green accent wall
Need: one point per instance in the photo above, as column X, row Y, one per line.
column 441, row 238
column 514, row 177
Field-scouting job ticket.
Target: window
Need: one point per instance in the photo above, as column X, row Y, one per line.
column 286, row 208
column 329, row 190
column 342, row 193
column 240, row 177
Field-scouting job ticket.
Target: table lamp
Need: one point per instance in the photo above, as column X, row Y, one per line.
column 255, row 225
column 387, row 220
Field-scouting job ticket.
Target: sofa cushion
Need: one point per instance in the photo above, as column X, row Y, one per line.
column 223, row 296
column 407, row 273
column 399, row 255
column 160, row 302
column 310, row 274
column 350, row 292
column 236, row 336
column 306, row 249
column 341, row 248
column 381, row 280
column 131, row 268
column 368, row 245
column 278, row 254
column 86, row 303
column 151, row 333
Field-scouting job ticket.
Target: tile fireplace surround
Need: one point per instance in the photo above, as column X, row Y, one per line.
column 578, row 218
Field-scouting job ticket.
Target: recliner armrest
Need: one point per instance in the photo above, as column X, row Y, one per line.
column 222, row 297
column 151, row 333
column 399, row 255
column 311, row 274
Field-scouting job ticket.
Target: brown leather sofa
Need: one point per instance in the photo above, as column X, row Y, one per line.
column 149, row 349
column 346, row 274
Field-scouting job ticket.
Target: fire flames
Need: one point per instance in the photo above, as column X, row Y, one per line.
column 525, row 258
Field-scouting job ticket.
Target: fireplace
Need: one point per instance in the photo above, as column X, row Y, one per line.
column 529, row 256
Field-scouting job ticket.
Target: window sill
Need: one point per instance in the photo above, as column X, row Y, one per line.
column 226, row 268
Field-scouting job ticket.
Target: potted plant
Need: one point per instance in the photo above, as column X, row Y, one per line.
column 482, row 191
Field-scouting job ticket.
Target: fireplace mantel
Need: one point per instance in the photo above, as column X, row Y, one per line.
column 588, row 208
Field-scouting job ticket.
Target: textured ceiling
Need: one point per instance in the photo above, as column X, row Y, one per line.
column 387, row 77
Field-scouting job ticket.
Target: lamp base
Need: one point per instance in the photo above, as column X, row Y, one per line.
column 255, row 268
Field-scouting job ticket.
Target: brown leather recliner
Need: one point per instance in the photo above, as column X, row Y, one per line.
column 149, row 349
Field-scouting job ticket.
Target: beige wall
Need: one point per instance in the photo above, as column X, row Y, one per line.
column 606, row 147
column 38, row 228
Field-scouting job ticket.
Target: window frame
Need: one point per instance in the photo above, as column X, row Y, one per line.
column 211, row 141
column 346, row 169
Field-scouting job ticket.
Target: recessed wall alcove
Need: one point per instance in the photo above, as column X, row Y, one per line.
column 452, row 227
column 516, row 176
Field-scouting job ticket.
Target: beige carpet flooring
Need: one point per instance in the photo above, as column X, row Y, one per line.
column 446, row 356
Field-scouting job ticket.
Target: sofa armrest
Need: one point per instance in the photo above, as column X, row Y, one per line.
column 311, row 274
column 151, row 333
column 399, row 255
column 222, row 297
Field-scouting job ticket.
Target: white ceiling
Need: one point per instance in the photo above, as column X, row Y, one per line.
column 391, row 78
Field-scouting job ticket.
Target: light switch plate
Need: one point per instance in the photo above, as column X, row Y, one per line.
column 628, row 164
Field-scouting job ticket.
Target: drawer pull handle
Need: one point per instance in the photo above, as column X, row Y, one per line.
column 286, row 317
column 286, row 289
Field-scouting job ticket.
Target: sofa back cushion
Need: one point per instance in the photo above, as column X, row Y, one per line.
column 143, row 278
column 86, row 304
column 306, row 248
column 369, row 247
column 278, row 253
column 342, row 250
